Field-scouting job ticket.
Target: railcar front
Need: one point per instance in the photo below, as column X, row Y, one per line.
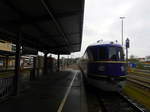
column 105, row 66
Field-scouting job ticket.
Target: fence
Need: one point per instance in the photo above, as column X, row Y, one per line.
column 6, row 86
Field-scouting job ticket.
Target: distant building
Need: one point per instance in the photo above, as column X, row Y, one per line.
column 144, row 60
column 147, row 59
column 141, row 59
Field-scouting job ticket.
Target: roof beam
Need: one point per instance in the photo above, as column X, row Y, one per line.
column 81, row 20
column 6, row 35
column 68, row 34
column 37, row 19
column 64, row 46
column 25, row 16
column 28, row 39
column 45, row 41
column 60, row 30
column 9, row 4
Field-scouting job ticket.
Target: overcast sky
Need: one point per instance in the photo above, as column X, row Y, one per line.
column 102, row 21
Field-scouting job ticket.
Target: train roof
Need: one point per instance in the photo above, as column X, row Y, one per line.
column 109, row 44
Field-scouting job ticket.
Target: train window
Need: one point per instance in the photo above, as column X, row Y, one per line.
column 102, row 53
column 120, row 54
column 116, row 53
column 90, row 56
column 112, row 53
column 97, row 54
column 85, row 56
column 92, row 53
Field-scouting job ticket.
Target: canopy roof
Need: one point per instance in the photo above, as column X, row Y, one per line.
column 54, row 26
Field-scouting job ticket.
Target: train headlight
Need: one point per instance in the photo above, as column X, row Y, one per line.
column 122, row 68
column 101, row 68
column 112, row 78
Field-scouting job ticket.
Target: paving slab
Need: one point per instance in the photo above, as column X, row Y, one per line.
column 47, row 94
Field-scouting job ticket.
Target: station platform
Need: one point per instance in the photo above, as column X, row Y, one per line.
column 56, row 92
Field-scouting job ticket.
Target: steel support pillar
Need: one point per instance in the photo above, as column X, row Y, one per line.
column 33, row 75
column 38, row 67
column 45, row 63
column 17, row 65
column 58, row 62
column 6, row 62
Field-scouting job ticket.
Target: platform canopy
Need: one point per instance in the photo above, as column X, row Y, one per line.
column 54, row 26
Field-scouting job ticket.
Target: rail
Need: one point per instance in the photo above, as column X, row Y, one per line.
column 141, row 70
column 139, row 84
column 140, row 78
column 117, row 102
column 133, row 104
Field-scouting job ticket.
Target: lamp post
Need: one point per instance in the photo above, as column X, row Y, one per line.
column 122, row 28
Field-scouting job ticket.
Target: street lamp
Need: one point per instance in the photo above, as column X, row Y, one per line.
column 122, row 28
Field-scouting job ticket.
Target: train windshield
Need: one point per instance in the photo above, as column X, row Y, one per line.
column 115, row 54
column 103, row 53
column 106, row 53
column 96, row 54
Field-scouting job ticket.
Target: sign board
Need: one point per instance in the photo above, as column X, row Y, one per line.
column 29, row 51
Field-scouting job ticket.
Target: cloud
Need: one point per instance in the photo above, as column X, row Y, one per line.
column 102, row 21
column 88, row 31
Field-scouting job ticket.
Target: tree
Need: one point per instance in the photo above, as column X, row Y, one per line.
column 133, row 59
column 132, row 56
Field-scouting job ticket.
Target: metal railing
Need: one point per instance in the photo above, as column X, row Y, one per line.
column 7, row 78
column 6, row 87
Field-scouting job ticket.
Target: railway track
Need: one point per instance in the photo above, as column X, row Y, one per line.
column 145, row 71
column 117, row 102
column 141, row 73
column 139, row 83
column 140, row 78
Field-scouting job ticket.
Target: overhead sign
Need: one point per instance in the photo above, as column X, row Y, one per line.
column 29, row 51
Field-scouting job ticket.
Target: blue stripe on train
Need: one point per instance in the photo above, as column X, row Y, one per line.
column 111, row 69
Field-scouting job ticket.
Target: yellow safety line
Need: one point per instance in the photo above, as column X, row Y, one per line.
column 66, row 94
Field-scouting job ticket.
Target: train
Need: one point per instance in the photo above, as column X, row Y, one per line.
column 103, row 66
